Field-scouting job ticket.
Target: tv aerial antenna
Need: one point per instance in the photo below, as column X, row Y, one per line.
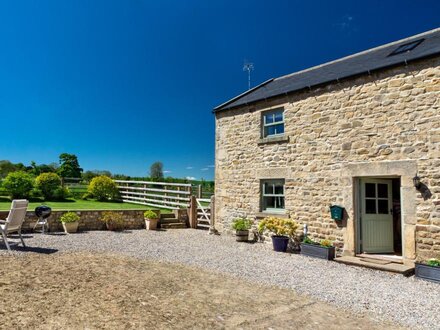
column 248, row 66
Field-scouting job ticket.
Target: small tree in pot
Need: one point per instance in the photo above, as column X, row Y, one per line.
column 70, row 221
column 113, row 220
column 242, row 226
column 281, row 229
column 151, row 218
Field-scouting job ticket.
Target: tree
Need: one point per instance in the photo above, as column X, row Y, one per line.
column 19, row 184
column 156, row 171
column 49, row 184
column 69, row 167
column 103, row 188
column 42, row 168
column 7, row 167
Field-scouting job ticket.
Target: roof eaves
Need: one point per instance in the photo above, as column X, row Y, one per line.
column 219, row 107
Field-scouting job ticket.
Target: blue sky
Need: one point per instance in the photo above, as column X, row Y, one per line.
column 125, row 83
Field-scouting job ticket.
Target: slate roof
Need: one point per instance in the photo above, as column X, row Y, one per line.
column 361, row 63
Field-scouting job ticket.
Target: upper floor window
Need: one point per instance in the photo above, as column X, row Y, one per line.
column 273, row 123
column 272, row 195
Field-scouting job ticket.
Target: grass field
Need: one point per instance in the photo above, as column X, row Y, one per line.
column 72, row 204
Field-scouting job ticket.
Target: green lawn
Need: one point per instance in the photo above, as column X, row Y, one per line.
column 78, row 204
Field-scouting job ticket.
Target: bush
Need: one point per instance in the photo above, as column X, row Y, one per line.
column 114, row 220
column 433, row 262
column 19, row 184
column 103, row 188
column 241, row 224
column 278, row 226
column 69, row 217
column 49, row 184
column 150, row 214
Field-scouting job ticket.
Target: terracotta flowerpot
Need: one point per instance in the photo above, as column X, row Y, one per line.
column 70, row 227
column 151, row 224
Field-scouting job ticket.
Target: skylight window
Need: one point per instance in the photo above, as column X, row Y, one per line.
column 406, row 47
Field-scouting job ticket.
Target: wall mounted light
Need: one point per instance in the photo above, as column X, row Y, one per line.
column 416, row 181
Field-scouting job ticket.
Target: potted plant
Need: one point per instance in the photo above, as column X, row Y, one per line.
column 281, row 229
column 429, row 271
column 151, row 218
column 113, row 220
column 70, row 221
column 242, row 226
column 323, row 249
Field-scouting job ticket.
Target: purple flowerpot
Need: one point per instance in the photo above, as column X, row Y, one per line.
column 280, row 243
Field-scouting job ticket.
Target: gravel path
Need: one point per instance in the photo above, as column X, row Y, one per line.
column 408, row 301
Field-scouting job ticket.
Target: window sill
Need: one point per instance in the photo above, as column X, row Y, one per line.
column 283, row 215
column 274, row 139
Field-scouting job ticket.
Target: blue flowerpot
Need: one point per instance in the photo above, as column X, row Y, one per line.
column 280, row 243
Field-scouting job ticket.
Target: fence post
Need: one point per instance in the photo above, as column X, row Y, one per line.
column 212, row 230
column 199, row 191
column 193, row 212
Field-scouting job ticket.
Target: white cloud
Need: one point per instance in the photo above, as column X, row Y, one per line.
column 190, row 178
column 212, row 166
column 189, row 167
column 204, row 169
column 166, row 172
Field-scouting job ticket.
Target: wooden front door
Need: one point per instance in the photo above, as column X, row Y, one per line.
column 376, row 216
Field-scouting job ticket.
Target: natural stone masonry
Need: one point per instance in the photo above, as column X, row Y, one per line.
column 89, row 220
column 376, row 119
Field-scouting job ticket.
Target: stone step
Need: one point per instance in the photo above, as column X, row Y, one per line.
column 175, row 225
column 368, row 263
column 167, row 215
column 169, row 220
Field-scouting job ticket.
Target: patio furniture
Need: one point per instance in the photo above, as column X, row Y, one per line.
column 14, row 221
column 42, row 212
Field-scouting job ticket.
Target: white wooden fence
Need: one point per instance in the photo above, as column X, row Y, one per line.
column 157, row 194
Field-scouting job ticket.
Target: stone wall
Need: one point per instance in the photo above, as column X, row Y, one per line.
column 380, row 118
column 89, row 220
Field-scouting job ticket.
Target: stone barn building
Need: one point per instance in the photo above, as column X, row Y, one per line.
column 361, row 132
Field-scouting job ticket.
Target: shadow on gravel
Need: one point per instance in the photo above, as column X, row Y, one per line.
column 16, row 247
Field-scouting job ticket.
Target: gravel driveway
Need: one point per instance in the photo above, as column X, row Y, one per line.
column 408, row 301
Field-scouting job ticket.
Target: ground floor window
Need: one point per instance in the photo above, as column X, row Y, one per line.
column 272, row 195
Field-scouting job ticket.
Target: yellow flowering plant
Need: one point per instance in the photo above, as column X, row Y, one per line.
column 278, row 226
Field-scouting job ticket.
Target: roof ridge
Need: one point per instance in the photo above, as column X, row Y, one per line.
column 359, row 53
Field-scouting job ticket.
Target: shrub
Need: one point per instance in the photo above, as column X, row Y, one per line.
column 19, row 184
column 150, row 214
column 103, row 188
column 308, row 240
column 278, row 226
column 241, row 224
column 114, row 220
column 69, row 217
column 49, row 185
column 61, row 193
column 433, row 262
column 326, row 243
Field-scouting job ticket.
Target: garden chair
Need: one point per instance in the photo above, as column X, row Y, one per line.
column 14, row 221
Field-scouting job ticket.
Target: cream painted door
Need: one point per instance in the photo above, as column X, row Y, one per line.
column 376, row 216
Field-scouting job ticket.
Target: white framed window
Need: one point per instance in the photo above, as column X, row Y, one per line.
column 273, row 123
column 272, row 195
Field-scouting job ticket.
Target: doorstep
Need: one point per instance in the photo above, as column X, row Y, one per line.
column 388, row 266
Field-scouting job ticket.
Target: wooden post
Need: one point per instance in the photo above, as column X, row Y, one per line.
column 199, row 191
column 193, row 213
column 212, row 230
